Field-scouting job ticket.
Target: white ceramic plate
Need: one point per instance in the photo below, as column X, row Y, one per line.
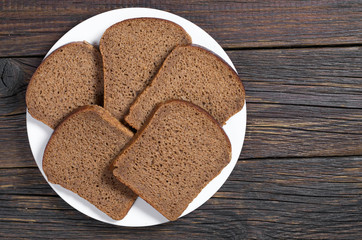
column 141, row 213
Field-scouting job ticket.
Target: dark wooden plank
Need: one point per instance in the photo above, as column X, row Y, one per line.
column 32, row 27
column 307, row 198
column 316, row 77
column 14, row 145
column 275, row 130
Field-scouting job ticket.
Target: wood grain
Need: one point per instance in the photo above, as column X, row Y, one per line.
column 330, row 77
column 300, row 103
column 32, row 27
column 300, row 100
column 317, row 198
column 14, row 77
column 300, row 172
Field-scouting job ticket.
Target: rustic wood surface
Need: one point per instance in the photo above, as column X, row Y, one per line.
column 35, row 25
column 300, row 172
column 310, row 198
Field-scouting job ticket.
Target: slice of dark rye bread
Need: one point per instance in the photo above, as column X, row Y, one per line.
column 194, row 74
column 176, row 153
column 78, row 156
column 132, row 51
column 70, row 77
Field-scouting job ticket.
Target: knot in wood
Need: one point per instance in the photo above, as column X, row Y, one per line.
column 11, row 77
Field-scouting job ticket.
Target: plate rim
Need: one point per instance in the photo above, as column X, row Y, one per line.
column 224, row 57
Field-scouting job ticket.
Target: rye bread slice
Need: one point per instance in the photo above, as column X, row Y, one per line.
column 170, row 160
column 132, row 51
column 194, row 74
column 72, row 76
column 78, row 156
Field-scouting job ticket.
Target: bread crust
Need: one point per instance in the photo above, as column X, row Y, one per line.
column 113, row 123
column 105, row 56
column 135, row 123
column 147, row 125
column 33, row 110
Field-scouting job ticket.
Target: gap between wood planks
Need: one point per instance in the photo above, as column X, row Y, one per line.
column 239, row 160
column 342, row 45
column 276, row 47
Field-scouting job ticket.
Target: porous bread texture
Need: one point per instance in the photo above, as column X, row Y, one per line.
column 177, row 152
column 78, row 156
column 70, row 77
column 133, row 50
column 194, row 74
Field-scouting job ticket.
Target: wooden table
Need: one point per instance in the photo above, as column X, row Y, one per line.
column 300, row 172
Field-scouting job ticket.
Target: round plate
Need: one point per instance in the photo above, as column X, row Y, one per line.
column 141, row 213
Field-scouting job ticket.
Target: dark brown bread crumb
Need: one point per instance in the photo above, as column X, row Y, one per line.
column 171, row 159
column 194, row 74
column 78, row 156
column 132, row 51
column 70, row 77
